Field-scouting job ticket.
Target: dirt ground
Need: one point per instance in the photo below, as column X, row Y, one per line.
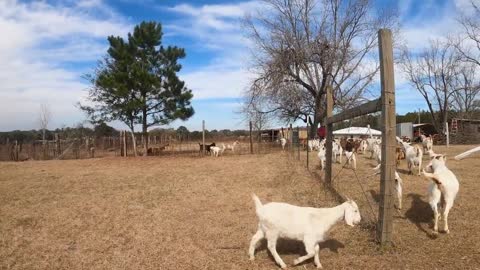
column 196, row 213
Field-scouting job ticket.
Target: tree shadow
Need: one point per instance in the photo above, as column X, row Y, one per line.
column 420, row 214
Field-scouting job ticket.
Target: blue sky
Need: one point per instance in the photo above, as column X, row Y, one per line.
column 48, row 45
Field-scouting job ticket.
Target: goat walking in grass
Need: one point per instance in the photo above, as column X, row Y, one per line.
column 307, row 224
column 443, row 189
column 283, row 142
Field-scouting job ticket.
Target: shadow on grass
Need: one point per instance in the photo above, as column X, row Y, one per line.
column 294, row 247
column 420, row 214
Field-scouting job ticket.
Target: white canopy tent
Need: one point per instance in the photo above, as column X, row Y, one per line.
column 357, row 131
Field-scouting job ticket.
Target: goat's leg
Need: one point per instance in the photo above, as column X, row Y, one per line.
column 272, row 247
column 310, row 248
column 399, row 194
column 435, row 216
column 317, row 256
column 448, row 205
column 254, row 242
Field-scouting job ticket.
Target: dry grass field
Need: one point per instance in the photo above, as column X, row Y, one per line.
column 196, row 213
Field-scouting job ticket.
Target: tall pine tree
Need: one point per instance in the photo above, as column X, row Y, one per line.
column 137, row 82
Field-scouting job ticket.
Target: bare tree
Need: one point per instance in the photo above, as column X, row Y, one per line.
column 44, row 119
column 465, row 100
column 304, row 46
column 252, row 113
column 469, row 45
column 442, row 78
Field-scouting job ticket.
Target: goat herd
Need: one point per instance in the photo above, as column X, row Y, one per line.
column 215, row 150
column 311, row 225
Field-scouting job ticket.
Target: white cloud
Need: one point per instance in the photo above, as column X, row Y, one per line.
column 42, row 39
column 216, row 28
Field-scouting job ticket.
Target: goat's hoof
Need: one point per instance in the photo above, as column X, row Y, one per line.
column 283, row 266
column 447, row 231
column 252, row 258
column 319, row 266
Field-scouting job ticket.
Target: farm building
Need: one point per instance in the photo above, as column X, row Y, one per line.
column 270, row 135
column 465, row 130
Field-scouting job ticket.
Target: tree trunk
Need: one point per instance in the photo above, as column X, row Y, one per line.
column 318, row 116
column 134, row 143
column 144, row 133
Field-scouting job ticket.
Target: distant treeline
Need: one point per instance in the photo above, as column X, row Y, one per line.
column 104, row 130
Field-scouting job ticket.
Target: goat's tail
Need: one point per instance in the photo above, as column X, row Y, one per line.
column 258, row 203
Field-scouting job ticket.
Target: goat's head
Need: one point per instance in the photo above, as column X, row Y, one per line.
column 352, row 213
column 437, row 161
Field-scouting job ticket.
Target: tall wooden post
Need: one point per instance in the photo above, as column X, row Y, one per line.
column 251, row 139
column 329, row 130
column 388, row 166
column 57, row 145
column 16, row 150
column 447, row 133
column 203, row 138
column 124, row 142
column 298, row 142
column 308, row 138
column 291, row 139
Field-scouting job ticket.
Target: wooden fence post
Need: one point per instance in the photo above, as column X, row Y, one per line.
column 16, row 150
column 329, row 139
column 308, row 138
column 388, row 166
column 57, row 145
column 120, row 142
column 251, row 138
column 298, row 142
column 447, row 133
column 203, row 138
column 291, row 139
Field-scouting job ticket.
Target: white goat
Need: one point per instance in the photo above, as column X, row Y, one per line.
column 337, row 151
column 313, row 144
column 363, row 146
column 443, row 189
column 322, row 156
column 377, row 153
column 306, row 224
column 427, row 142
column 413, row 155
column 371, row 142
column 215, row 150
column 232, row 146
column 283, row 142
column 398, row 185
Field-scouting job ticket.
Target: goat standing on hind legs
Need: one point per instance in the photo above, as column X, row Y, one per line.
column 443, row 189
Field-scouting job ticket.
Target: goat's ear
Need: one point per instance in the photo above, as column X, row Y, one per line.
column 348, row 199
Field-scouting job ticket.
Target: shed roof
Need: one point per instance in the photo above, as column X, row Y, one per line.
column 357, row 131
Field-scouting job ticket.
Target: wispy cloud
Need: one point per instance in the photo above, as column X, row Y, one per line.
column 42, row 39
